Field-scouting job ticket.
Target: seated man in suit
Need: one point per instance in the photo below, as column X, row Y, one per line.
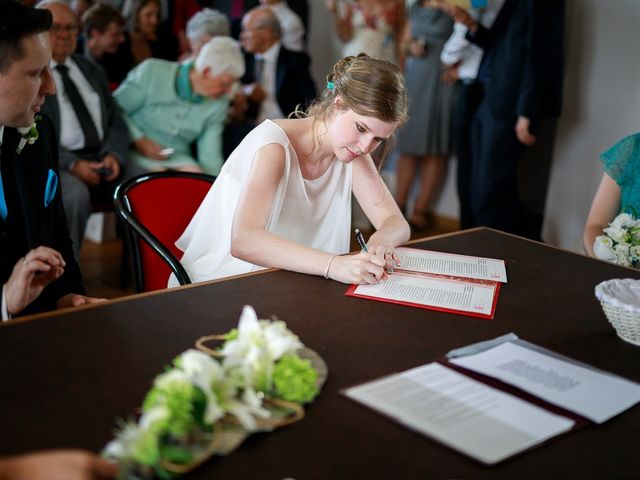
column 93, row 137
column 276, row 79
column 38, row 271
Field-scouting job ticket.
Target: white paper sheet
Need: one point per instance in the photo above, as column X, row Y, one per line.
column 473, row 418
column 426, row 261
column 438, row 292
column 593, row 394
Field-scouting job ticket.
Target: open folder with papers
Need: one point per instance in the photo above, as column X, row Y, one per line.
column 440, row 281
column 493, row 404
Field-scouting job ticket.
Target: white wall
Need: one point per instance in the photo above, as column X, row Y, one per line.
column 601, row 105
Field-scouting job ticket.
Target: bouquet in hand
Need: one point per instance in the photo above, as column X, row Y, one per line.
column 621, row 242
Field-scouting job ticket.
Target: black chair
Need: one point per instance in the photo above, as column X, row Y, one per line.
column 156, row 208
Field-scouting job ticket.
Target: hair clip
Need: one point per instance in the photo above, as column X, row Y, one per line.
column 331, row 86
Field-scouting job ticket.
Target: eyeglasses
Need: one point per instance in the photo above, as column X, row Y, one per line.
column 70, row 28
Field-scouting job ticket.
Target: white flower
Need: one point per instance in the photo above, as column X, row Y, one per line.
column 603, row 248
column 130, row 440
column 280, row 339
column 260, row 343
column 207, row 374
column 221, row 390
column 247, row 408
column 29, row 135
column 164, row 380
column 624, row 220
column 615, row 233
column 622, row 252
column 618, row 229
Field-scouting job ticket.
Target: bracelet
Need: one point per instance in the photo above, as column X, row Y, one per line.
column 326, row 272
column 6, row 315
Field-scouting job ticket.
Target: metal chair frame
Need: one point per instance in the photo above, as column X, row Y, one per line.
column 137, row 231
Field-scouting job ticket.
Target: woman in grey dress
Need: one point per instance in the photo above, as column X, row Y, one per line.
column 424, row 142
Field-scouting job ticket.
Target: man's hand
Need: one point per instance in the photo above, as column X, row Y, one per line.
column 85, row 170
column 75, row 300
column 57, row 465
column 238, row 107
column 523, row 133
column 110, row 162
column 417, row 48
column 149, row 148
column 449, row 74
column 37, row 269
column 459, row 15
column 257, row 94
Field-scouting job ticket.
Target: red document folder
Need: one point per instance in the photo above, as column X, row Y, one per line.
column 426, row 289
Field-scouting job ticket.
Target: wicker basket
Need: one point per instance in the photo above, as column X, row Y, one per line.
column 622, row 314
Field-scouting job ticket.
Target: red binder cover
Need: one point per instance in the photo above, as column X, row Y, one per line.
column 351, row 292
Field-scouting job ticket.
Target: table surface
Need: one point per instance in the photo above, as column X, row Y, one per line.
column 65, row 378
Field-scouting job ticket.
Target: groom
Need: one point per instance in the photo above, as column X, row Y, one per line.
column 38, row 271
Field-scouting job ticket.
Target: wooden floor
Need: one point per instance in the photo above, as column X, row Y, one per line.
column 102, row 264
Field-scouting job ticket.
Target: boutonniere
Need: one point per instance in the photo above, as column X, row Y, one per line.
column 28, row 135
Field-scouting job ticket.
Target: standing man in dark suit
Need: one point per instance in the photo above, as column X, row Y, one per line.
column 38, row 271
column 93, row 137
column 276, row 80
column 521, row 73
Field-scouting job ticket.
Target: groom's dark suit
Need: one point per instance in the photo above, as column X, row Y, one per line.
column 30, row 223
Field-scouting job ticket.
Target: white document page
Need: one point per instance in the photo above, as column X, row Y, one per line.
column 434, row 291
column 469, row 416
column 426, row 261
column 595, row 395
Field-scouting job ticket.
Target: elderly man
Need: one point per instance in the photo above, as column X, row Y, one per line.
column 277, row 80
column 103, row 40
column 293, row 33
column 92, row 135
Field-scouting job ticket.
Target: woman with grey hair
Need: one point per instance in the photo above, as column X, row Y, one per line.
column 168, row 106
column 205, row 25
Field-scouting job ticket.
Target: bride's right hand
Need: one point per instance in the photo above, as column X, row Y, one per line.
column 360, row 269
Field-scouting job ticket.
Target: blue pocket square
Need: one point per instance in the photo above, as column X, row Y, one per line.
column 3, row 203
column 51, row 188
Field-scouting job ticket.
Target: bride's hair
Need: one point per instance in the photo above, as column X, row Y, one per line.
column 368, row 86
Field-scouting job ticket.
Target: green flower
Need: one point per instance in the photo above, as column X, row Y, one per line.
column 140, row 442
column 295, row 380
column 185, row 402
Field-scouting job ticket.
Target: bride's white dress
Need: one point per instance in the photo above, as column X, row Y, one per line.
column 316, row 213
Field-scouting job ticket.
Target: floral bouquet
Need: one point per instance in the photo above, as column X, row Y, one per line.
column 209, row 400
column 621, row 242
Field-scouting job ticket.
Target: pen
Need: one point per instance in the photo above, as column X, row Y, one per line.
column 360, row 239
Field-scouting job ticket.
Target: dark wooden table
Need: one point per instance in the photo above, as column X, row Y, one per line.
column 65, row 378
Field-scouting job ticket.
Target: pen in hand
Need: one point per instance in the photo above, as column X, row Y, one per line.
column 360, row 239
